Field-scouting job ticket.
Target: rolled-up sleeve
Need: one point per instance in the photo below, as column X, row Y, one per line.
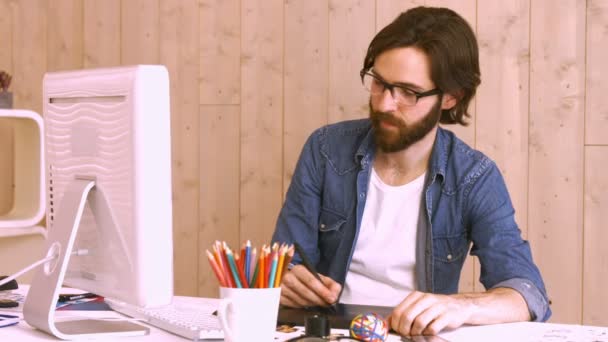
column 537, row 303
column 505, row 258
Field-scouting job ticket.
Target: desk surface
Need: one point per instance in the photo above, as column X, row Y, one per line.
column 525, row 331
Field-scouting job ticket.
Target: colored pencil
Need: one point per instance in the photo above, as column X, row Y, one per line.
column 260, row 282
column 253, row 263
column 262, row 264
column 215, row 268
column 273, row 268
column 233, row 268
column 242, row 255
column 267, row 259
column 248, row 268
column 288, row 257
column 254, row 279
column 220, row 264
column 277, row 279
column 229, row 279
column 247, row 259
column 241, row 273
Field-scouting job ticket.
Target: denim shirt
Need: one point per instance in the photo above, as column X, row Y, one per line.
column 465, row 201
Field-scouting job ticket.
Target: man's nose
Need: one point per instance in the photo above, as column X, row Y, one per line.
column 385, row 102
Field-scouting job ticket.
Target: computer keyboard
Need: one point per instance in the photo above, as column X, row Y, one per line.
column 189, row 317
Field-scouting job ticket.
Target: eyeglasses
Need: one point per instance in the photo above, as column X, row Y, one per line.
column 401, row 95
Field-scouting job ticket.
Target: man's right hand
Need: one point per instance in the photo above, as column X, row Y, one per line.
column 300, row 288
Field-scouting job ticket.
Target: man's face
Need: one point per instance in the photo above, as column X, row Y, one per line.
column 395, row 126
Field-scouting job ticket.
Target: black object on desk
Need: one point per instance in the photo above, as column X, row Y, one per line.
column 11, row 285
column 75, row 296
column 340, row 318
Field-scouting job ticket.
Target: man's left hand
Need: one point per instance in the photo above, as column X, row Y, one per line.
column 427, row 314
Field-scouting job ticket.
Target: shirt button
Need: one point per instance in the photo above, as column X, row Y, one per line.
column 361, row 195
column 322, row 225
column 449, row 256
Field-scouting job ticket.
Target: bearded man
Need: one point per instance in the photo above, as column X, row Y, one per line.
column 388, row 207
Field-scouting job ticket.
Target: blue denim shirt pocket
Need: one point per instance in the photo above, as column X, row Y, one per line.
column 330, row 232
column 330, row 221
column 449, row 253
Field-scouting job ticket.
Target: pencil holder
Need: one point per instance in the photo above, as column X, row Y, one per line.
column 247, row 313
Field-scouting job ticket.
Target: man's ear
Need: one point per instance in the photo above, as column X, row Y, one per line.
column 448, row 101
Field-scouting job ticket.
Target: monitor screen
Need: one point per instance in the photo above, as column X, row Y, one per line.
column 112, row 126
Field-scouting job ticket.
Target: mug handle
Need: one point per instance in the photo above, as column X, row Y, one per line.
column 221, row 312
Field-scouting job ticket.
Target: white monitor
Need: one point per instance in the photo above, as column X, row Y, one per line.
column 109, row 206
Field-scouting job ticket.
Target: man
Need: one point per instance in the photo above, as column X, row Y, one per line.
column 387, row 207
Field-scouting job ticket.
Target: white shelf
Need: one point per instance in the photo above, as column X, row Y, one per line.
column 28, row 201
column 21, row 231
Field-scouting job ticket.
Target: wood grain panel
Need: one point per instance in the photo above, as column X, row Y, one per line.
column 502, row 98
column 139, row 32
column 220, row 59
column 306, row 83
column 7, row 156
column 179, row 36
column 21, row 251
column 102, row 39
column 596, row 113
column 388, row 10
column 30, row 49
column 6, row 35
column 6, row 130
column 232, row 163
column 352, row 27
column 556, row 150
column 595, row 272
column 261, row 118
column 65, row 35
column 219, row 187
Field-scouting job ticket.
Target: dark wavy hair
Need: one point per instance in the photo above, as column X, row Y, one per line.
column 451, row 46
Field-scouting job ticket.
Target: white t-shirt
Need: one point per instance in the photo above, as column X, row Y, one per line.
column 382, row 270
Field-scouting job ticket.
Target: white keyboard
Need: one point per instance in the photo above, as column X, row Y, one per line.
column 190, row 317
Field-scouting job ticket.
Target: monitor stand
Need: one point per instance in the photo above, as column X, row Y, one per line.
column 39, row 308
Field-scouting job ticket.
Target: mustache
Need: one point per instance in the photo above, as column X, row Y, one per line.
column 386, row 117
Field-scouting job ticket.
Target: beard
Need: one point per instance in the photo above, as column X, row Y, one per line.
column 404, row 136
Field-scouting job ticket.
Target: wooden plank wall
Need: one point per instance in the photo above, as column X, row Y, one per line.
column 251, row 79
column 6, row 132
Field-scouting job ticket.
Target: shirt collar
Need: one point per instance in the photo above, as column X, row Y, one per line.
column 365, row 151
column 439, row 155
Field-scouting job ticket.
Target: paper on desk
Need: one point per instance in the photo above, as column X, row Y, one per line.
column 19, row 295
column 16, row 295
column 529, row 332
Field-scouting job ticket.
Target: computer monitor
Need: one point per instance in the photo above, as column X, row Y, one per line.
column 109, row 211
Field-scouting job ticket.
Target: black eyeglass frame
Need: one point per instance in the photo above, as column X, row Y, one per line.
column 390, row 86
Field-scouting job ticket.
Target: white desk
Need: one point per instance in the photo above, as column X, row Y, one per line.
column 525, row 332
column 24, row 332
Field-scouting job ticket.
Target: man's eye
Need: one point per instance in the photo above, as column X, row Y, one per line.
column 377, row 83
column 405, row 92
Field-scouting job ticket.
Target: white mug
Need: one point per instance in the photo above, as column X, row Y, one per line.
column 249, row 314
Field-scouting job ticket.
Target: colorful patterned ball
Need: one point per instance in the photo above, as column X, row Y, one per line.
column 369, row 327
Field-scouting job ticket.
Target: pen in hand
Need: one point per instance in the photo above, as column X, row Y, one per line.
column 306, row 262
